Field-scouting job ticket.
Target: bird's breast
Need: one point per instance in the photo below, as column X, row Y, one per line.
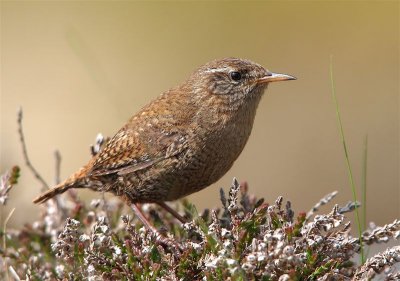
column 211, row 153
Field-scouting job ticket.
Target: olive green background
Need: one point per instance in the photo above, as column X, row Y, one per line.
column 79, row 68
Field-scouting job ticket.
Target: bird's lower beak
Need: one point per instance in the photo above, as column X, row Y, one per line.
column 275, row 77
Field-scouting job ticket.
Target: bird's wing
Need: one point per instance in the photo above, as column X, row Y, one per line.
column 129, row 151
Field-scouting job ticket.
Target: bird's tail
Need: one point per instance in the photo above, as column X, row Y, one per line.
column 58, row 189
column 75, row 181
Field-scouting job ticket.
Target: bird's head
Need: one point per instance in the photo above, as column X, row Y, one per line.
column 233, row 81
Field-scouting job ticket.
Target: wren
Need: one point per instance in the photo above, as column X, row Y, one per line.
column 181, row 142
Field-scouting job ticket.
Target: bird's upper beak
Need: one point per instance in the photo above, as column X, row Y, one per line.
column 274, row 77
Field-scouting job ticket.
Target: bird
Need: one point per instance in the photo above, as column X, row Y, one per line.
column 182, row 141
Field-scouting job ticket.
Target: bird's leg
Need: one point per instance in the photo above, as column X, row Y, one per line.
column 164, row 240
column 172, row 212
column 143, row 219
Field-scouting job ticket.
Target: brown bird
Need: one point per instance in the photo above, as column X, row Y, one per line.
column 181, row 142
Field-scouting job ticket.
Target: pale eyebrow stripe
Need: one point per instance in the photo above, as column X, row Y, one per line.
column 214, row 70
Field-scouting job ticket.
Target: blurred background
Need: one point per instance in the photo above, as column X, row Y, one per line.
column 80, row 68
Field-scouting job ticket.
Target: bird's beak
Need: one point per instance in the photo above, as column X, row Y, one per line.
column 274, row 77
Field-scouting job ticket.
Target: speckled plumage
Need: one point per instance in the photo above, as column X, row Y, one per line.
column 181, row 142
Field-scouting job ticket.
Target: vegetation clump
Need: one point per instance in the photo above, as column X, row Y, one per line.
column 245, row 239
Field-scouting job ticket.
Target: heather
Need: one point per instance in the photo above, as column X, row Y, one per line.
column 245, row 238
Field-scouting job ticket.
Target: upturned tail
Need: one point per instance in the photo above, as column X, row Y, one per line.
column 77, row 180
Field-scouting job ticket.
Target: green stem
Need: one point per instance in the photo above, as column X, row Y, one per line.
column 364, row 183
column 350, row 173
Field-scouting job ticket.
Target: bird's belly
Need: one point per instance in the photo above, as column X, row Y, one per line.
column 204, row 162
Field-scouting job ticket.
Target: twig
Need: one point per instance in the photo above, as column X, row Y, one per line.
column 5, row 238
column 57, row 157
column 29, row 164
column 25, row 152
column 323, row 201
column 14, row 273
column 57, row 180
column 5, row 227
column 349, row 207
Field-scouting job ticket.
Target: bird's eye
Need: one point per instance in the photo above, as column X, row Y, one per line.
column 236, row 76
